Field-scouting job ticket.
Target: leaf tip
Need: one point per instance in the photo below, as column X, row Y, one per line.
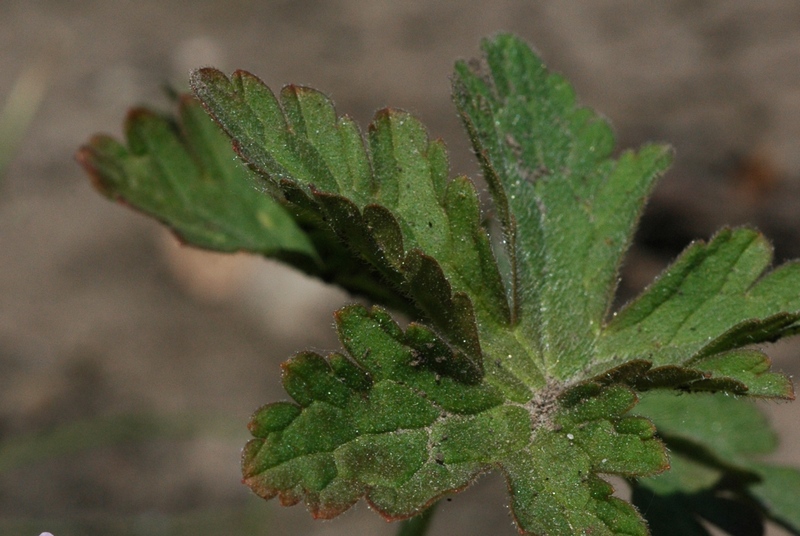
column 90, row 157
column 85, row 157
column 201, row 77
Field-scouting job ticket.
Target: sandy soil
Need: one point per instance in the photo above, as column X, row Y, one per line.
column 128, row 368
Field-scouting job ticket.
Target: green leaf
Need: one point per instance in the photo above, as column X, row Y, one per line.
column 675, row 502
column 733, row 428
column 716, row 297
column 389, row 200
column 386, row 423
column 185, row 176
column 512, row 360
column 667, row 515
column 714, row 455
column 183, row 172
column 568, row 210
column 777, row 493
column 522, row 370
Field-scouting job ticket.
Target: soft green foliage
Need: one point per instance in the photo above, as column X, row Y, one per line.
column 182, row 172
column 777, row 491
column 187, row 179
column 715, row 442
column 389, row 424
column 512, row 360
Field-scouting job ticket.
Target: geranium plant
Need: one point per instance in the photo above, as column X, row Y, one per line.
column 512, row 359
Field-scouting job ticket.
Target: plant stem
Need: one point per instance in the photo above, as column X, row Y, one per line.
column 417, row 526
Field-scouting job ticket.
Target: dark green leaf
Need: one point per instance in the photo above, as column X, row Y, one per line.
column 748, row 367
column 390, row 200
column 525, row 374
column 668, row 515
column 410, row 434
column 714, row 298
column 674, row 502
column 522, row 369
column 714, row 439
column 184, row 173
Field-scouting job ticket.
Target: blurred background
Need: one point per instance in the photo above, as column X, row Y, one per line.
column 129, row 365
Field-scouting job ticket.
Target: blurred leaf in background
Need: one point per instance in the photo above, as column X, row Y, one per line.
column 20, row 105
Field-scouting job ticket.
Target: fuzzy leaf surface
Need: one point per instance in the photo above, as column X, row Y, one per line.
column 715, row 299
column 568, row 209
column 182, row 171
column 390, row 423
column 568, row 212
column 387, row 197
column 519, row 370
column 390, row 200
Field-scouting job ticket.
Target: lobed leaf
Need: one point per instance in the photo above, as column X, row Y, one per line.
column 386, row 423
column 183, row 172
column 568, row 210
column 715, row 297
column 185, row 176
column 520, row 371
column 389, row 200
column 738, row 372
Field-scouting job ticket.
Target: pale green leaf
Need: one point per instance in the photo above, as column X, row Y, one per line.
column 729, row 426
column 673, row 503
column 714, row 441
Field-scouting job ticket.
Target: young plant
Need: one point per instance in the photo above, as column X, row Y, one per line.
column 513, row 360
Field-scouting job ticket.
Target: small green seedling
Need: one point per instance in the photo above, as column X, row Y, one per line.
column 512, row 360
